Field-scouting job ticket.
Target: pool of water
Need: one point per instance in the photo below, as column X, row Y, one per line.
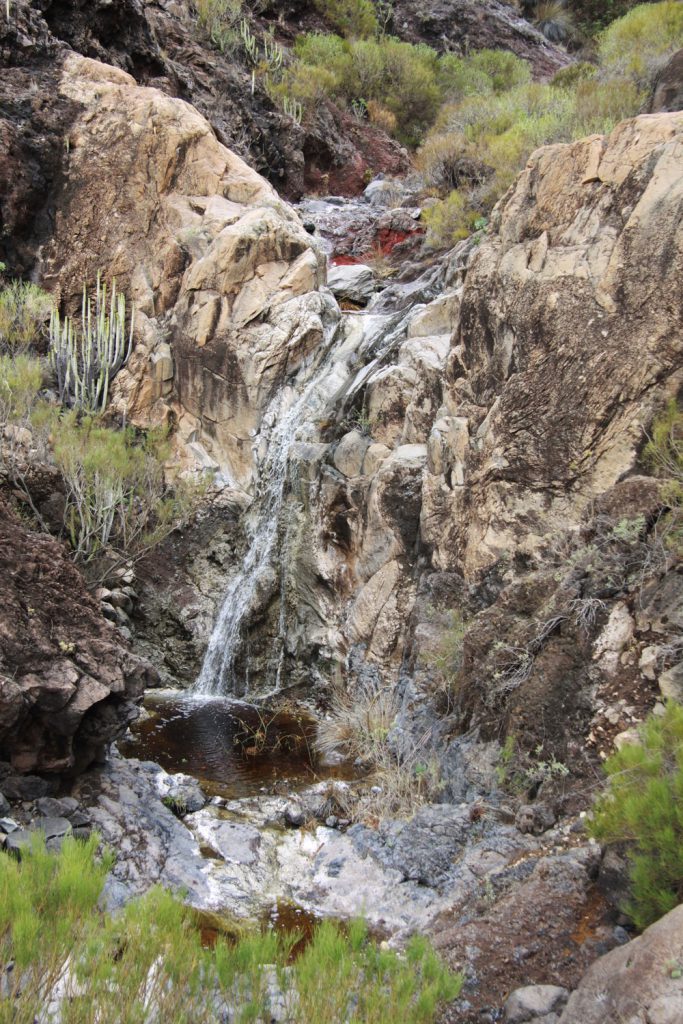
column 232, row 748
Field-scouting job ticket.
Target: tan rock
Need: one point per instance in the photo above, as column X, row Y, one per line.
column 190, row 231
column 636, row 982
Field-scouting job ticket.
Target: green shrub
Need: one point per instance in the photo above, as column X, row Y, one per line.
column 24, row 312
column 636, row 45
column 663, row 454
column 148, row 964
column 353, row 18
column 221, row 20
column 115, row 491
column 643, row 809
column 21, row 378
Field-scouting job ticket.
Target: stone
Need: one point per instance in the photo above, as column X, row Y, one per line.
column 25, row 787
column 534, row 1002
column 4, row 805
column 354, row 283
column 535, row 818
column 8, row 825
column 350, row 453
column 51, row 807
column 294, row 815
column 19, row 841
column 633, row 982
column 181, row 790
column 671, row 683
column 52, row 828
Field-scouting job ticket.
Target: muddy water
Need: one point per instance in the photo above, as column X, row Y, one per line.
column 232, row 748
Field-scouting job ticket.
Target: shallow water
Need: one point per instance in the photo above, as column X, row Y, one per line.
column 232, row 748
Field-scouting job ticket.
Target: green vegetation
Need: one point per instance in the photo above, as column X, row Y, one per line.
column 21, row 378
column 495, row 117
column 117, row 503
column 355, row 19
column 635, row 45
column 399, row 78
column 115, row 491
column 86, row 357
column 643, row 808
column 221, row 20
column 148, row 964
column 24, row 312
column 663, row 454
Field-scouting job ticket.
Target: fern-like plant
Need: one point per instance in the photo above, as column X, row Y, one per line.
column 86, row 357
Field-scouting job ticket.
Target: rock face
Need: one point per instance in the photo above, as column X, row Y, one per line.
column 223, row 276
column 68, row 684
column 488, row 445
column 639, row 982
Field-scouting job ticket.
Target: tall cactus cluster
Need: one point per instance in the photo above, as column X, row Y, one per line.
column 85, row 358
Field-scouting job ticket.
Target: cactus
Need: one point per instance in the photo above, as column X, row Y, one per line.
column 249, row 41
column 86, row 358
column 293, row 108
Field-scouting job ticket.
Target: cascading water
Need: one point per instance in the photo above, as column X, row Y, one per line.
column 353, row 349
column 289, row 418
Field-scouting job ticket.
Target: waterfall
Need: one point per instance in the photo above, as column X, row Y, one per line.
column 354, row 348
column 360, row 339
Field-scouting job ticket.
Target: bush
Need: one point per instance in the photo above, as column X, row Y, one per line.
column 400, row 77
column 449, row 221
column 221, row 20
column 21, row 378
column 115, row 491
column 24, row 312
column 148, row 964
column 637, row 44
column 353, row 18
column 643, row 809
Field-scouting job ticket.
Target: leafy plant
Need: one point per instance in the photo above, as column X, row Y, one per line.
column 115, row 490
column 354, row 19
column 86, row 357
column 24, row 312
column 643, row 809
column 637, row 44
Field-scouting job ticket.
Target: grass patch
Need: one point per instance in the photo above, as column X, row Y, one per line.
column 148, row 963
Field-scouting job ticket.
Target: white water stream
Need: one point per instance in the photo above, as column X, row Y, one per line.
column 353, row 348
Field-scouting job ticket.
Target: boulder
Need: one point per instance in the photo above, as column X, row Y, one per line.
column 192, row 234
column 354, row 283
column 667, row 92
column 638, row 982
column 534, row 1002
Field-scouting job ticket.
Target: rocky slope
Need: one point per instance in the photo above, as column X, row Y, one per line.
column 68, row 684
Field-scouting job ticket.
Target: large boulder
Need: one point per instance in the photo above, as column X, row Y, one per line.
column 222, row 273
column 639, row 982
column 68, row 683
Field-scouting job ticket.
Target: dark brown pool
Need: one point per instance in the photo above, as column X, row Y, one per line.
column 232, row 748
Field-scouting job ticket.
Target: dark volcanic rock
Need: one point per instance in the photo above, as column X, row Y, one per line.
column 68, row 685
column 463, row 26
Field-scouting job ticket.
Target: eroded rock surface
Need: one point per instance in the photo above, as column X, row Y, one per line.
column 68, row 683
column 639, row 982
